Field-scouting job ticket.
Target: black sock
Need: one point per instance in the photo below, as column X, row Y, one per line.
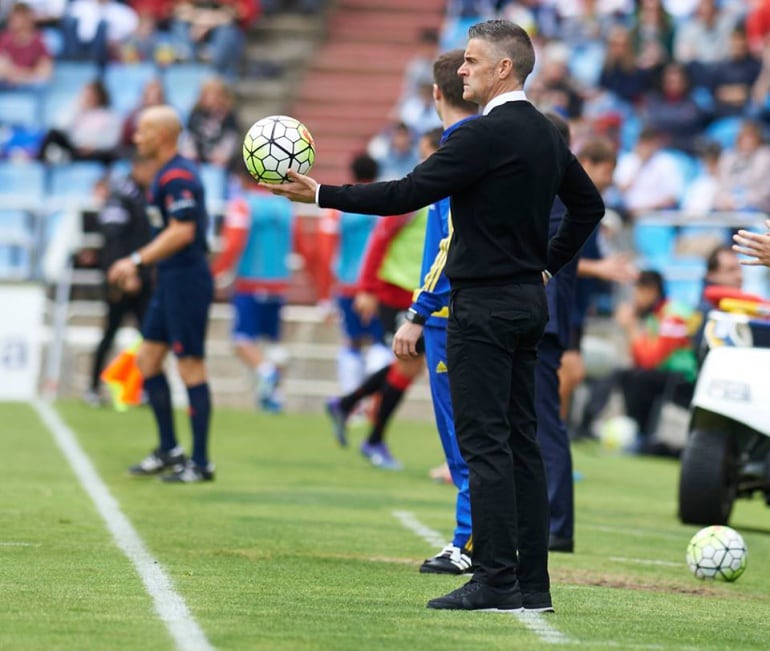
column 369, row 386
column 200, row 415
column 159, row 395
column 394, row 386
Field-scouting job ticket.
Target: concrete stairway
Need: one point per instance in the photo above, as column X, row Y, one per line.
column 355, row 78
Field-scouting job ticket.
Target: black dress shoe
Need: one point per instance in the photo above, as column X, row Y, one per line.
column 537, row 602
column 479, row 596
column 556, row 544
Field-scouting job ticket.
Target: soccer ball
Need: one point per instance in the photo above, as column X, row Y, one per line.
column 618, row 434
column 717, row 552
column 275, row 144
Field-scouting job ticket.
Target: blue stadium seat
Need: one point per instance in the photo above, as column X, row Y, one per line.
column 124, row 83
column 74, row 73
column 75, row 179
column 630, row 129
column 20, row 108
column 58, row 102
column 22, row 179
column 63, row 89
column 654, row 243
column 182, row 82
column 15, row 244
column 724, row 131
column 683, row 279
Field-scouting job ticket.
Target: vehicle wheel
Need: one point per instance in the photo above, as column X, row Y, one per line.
column 708, row 478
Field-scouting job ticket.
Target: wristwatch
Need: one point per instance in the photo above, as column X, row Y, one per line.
column 136, row 258
column 413, row 316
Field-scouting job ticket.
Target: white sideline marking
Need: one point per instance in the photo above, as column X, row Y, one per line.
column 644, row 561
column 169, row 605
column 408, row 521
column 535, row 622
column 9, row 543
column 540, row 626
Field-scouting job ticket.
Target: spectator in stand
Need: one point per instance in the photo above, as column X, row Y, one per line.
column 255, row 250
column 353, row 232
column 589, row 22
column 743, row 172
column 672, row 110
column 621, row 74
column 648, row 178
column 731, row 80
column 48, row 13
column 24, row 57
column 153, row 94
column 216, row 31
column 90, row 132
column 94, row 30
column 705, row 37
column 653, row 35
column 160, row 10
column 395, row 152
column 758, row 24
column 553, row 88
column 213, row 133
column 143, row 44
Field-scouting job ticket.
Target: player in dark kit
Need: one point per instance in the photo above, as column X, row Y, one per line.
column 178, row 313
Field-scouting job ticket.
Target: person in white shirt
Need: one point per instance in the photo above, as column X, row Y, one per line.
column 648, row 178
column 93, row 28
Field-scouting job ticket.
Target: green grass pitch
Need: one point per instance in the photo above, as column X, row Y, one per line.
column 295, row 547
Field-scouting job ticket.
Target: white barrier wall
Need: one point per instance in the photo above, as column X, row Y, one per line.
column 21, row 338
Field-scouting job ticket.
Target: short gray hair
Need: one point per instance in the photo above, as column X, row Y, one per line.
column 511, row 41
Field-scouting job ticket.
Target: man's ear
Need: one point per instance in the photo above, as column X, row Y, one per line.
column 436, row 93
column 505, row 68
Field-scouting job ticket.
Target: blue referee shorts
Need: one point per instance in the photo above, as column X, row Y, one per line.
column 178, row 313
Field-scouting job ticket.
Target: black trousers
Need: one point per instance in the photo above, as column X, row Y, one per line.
column 644, row 391
column 118, row 307
column 492, row 338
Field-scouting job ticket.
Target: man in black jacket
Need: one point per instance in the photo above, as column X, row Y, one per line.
column 502, row 172
column 123, row 224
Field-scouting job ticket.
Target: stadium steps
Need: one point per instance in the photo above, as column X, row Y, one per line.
column 278, row 49
column 312, row 343
column 354, row 80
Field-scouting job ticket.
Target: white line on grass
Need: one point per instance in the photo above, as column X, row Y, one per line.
column 169, row 605
column 643, row 561
column 9, row 543
column 408, row 521
column 535, row 622
column 540, row 626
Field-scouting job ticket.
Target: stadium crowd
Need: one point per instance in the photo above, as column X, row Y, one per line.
column 681, row 88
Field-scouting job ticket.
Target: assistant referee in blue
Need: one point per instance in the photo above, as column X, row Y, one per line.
column 502, row 172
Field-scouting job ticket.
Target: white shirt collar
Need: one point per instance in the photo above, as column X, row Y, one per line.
column 511, row 96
